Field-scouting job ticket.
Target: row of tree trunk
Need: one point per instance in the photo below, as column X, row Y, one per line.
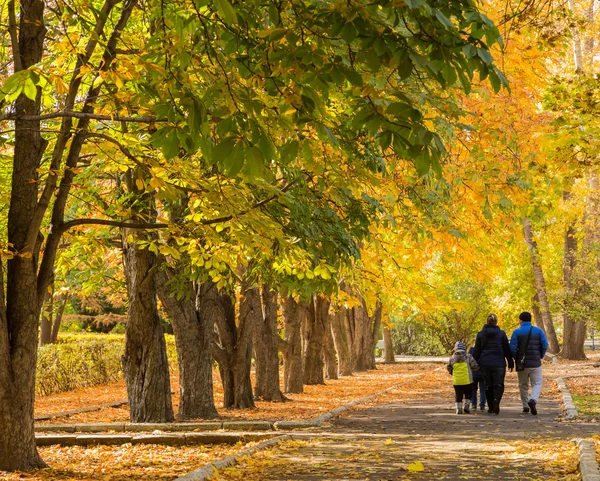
column 319, row 341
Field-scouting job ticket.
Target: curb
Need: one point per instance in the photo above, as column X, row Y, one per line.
column 149, row 427
column 282, row 425
column 207, row 471
column 571, row 410
column 172, row 439
column 588, row 463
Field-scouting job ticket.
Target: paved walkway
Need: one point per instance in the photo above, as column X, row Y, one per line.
column 387, row 442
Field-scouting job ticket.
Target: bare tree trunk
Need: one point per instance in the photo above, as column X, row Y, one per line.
column 193, row 319
column 266, row 350
column 234, row 354
column 63, row 299
column 291, row 345
column 145, row 360
column 314, row 337
column 342, row 341
column 540, row 284
column 329, row 355
column 388, row 346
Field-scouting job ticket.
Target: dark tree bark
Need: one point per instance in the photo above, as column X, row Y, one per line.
column 540, row 284
column 573, row 331
column 313, row 330
column 193, row 319
column 234, row 350
column 388, row 346
column 342, row 341
column 291, row 345
column 266, row 350
column 145, row 362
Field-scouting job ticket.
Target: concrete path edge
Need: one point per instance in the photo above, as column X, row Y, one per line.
column 588, row 463
column 571, row 410
column 207, row 472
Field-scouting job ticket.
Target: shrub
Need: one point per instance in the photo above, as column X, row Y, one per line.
column 412, row 338
column 63, row 367
column 84, row 360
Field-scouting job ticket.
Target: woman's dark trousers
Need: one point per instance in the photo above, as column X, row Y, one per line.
column 494, row 384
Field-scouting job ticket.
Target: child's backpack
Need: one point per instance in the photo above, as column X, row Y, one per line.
column 460, row 373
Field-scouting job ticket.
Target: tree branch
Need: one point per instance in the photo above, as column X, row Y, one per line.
column 114, row 223
column 82, row 115
column 14, row 37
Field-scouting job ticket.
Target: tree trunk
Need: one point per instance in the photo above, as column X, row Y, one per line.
column 145, row 360
column 266, row 350
column 292, row 346
column 47, row 315
column 388, row 346
column 193, row 319
column 63, row 299
column 540, row 284
column 372, row 336
column 331, row 363
column 234, row 354
column 360, row 327
column 537, row 313
column 573, row 331
column 341, row 340
column 313, row 339
column 19, row 316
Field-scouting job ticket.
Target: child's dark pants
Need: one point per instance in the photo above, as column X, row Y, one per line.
column 462, row 392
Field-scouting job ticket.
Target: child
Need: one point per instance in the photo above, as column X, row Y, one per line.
column 461, row 365
column 478, row 382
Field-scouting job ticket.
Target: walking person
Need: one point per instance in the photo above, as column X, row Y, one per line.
column 528, row 345
column 478, row 385
column 461, row 366
column 492, row 353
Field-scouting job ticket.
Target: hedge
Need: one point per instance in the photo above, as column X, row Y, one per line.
column 84, row 360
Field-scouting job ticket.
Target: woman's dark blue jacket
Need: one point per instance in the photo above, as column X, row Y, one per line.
column 492, row 348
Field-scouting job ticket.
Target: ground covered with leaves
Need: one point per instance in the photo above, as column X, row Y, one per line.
column 402, row 458
column 315, row 400
column 122, row 463
column 586, row 396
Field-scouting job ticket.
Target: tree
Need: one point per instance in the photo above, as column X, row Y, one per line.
column 237, row 111
column 266, row 349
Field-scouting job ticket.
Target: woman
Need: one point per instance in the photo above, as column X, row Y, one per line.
column 492, row 352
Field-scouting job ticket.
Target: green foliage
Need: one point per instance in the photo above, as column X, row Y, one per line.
column 470, row 305
column 414, row 338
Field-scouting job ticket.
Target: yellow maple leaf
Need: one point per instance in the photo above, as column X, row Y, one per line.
column 416, row 467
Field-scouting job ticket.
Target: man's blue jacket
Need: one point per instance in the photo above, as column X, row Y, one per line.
column 537, row 347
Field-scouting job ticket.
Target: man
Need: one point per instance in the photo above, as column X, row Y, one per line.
column 529, row 341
